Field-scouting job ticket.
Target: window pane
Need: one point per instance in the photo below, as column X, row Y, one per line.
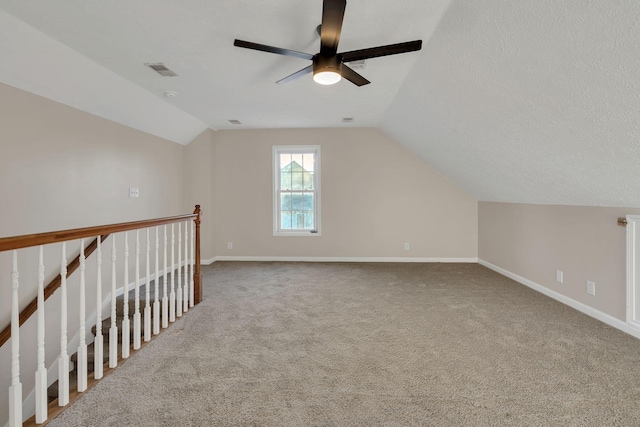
column 308, row 162
column 308, row 221
column 285, row 160
column 285, row 181
column 298, row 220
column 308, row 181
column 285, row 201
column 285, row 220
column 307, row 203
column 297, row 159
column 296, row 201
column 296, row 180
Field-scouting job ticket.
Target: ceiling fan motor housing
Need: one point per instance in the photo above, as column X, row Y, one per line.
column 327, row 69
column 326, row 63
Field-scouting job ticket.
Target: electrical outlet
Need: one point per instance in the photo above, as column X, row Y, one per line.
column 134, row 192
column 559, row 276
column 406, row 246
column 591, row 287
column 230, row 245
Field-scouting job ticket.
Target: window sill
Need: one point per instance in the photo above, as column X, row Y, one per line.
column 296, row 234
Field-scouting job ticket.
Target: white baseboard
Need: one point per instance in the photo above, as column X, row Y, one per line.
column 208, row 261
column 589, row 311
column 342, row 259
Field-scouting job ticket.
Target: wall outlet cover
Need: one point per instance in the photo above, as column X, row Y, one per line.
column 559, row 276
column 591, row 287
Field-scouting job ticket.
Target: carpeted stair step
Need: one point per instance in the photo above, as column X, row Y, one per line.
column 106, row 323
column 91, row 355
column 52, row 391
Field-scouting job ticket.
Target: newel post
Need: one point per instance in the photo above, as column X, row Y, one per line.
column 197, row 274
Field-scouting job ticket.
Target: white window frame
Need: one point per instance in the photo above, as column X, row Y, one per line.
column 297, row 149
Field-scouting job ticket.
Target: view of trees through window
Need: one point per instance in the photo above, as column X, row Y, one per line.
column 297, row 191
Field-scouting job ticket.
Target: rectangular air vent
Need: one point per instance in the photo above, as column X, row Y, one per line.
column 161, row 69
column 235, row 122
column 347, row 120
column 357, row 65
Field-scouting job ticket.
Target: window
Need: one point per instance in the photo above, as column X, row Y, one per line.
column 296, row 177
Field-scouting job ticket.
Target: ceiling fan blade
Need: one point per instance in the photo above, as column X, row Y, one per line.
column 272, row 49
column 332, row 16
column 296, row 75
column 374, row 52
column 352, row 76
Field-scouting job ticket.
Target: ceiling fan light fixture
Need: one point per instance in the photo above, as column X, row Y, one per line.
column 326, row 69
column 326, row 77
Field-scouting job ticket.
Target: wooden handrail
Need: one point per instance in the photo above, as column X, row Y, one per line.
column 29, row 240
column 30, row 309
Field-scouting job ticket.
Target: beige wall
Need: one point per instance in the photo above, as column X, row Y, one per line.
column 199, row 159
column 376, row 196
column 533, row 241
column 63, row 168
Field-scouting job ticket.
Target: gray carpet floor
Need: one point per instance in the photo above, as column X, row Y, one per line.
column 304, row 344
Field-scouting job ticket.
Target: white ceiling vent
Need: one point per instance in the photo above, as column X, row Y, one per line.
column 162, row 70
column 358, row 65
column 235, row 122
column 347, row 120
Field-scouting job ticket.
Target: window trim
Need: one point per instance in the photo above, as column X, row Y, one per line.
column 276, row 150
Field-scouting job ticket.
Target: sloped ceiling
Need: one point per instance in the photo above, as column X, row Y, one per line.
column 535, row 102
column 529, row 101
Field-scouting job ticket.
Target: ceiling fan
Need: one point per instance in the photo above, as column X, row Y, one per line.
column 328, row 66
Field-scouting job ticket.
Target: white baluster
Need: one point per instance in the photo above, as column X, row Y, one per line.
column 178, row 271
column 156, row 303
column 191, row 284
column 41, row 373
column 185, row 288
column 147, row 308
column 172, row 296
column 136, row 314
column 126, row 325
column 15, row 390
column 98, row 355
column 113, row 331
column 63, row 363
column 82, row 347
column 165, row 300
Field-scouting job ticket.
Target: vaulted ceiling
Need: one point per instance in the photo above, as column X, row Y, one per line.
column 516, row 101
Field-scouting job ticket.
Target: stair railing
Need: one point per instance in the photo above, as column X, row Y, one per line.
column 155, row 314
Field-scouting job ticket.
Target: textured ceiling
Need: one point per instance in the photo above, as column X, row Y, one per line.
column 535, row 102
